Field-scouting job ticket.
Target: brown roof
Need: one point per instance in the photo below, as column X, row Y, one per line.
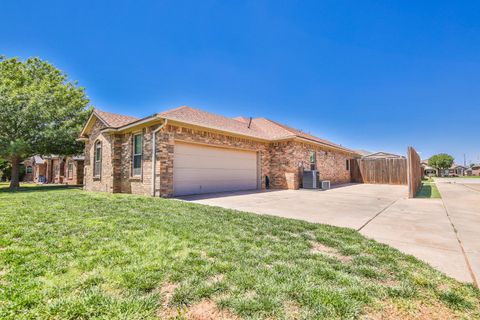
column 281, row 131
column 214, row 121
column 114, row 120
column 259, row 127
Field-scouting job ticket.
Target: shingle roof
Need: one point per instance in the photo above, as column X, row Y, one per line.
column 280, row 131
column 38, row 159
column 214, row 121
column 259, row 127
column 114, row 120
column 382, row 154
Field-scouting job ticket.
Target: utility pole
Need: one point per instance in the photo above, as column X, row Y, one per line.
column 464, row 160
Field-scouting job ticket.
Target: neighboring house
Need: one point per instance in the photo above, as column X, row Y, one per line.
column 74, row 167
column 456, row 171
column 363, row 152
column 38, row 167
column 188, row 151
column 383, row 155
column 28, row 164
column 56, row 169
column 428, row 170
column 473, row 170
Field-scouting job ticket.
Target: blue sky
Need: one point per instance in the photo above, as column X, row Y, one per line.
column 375, row 75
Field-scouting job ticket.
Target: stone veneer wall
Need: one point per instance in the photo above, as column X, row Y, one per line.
column 283, row 162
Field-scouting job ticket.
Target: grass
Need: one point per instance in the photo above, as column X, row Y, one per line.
column 70, row 254
column 428, row 190
column 468, row 177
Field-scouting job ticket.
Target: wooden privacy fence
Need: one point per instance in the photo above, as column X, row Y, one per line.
column 415, row 172
column 380, row 171
column 401, row 171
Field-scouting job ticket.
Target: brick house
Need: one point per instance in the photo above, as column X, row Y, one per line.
column 73, row 170
column 55, row 169
column 189, row 151
column 28, row 165
column 35, row 168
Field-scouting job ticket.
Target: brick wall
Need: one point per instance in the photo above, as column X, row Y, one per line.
column 166, row 145
column 290, row 158
column 28, row 177
column 39, row 170
column 58, row 173
column 76, row 175
column 105, row 181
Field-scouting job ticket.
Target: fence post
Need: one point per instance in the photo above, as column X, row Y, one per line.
column 414, row 174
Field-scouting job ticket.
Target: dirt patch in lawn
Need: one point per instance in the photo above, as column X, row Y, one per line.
column 292, row 310
column 216, row 279
column 203, row 310
column 418, row 311
column 318, row 248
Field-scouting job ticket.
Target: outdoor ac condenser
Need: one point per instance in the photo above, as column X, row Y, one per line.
column 311, row 179
column 325, row 184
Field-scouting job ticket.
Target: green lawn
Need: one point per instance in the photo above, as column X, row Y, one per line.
column 468, row 177
column 428, row 190
column 70, row 254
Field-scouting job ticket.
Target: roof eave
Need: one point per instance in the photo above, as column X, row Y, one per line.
column 327, row 145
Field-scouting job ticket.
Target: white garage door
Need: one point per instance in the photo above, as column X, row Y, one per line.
column 202, row 169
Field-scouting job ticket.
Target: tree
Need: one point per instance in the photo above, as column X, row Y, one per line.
column 441, row 161
column 5, row 170
column 41, row 111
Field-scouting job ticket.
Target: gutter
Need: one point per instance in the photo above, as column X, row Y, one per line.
column 154, row 153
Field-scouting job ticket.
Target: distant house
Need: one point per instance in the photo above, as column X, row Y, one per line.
column 473, row 170
column 363, row 152
column 74, row 170
column 383, row 155
column 455, row 171
column 28, row 177
column 428, row 170
column 54, row 169
column 34, row 169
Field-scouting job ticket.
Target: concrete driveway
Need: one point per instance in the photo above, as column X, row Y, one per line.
column 461, row 197
column 420, row 227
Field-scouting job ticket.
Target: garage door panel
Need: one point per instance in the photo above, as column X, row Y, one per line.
column 220, row 174
column 186, row 162
column 204, row 169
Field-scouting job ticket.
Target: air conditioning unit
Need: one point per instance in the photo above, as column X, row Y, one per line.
column 325, row 184
column 311, row 179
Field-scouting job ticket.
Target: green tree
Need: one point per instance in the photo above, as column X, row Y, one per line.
column 41, row 111
column 5, row 170
column 441, row 161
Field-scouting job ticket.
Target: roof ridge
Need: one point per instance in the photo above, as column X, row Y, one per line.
column 116, row 120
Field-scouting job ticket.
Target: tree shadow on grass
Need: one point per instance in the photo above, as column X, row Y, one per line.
column 425, row 191
column 37, row 188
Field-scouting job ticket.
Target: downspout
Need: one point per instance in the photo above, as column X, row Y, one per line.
column 154, row 154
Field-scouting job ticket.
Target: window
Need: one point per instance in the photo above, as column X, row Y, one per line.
column 347, row 165
column 29, row 169
column 313, row 160
column 70, row 170
column 137, row 155
column 56, row 170
column 97, row 170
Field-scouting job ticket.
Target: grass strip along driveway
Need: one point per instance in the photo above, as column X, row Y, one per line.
column 428, row 190
column 66, row 253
